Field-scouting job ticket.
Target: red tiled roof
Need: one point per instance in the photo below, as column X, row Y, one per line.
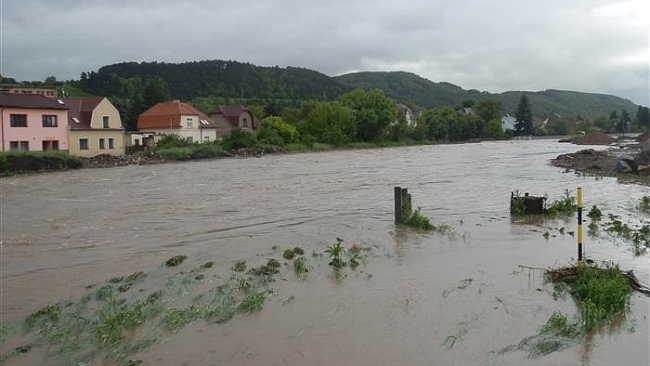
column 81, row 109
column 232, row 113
column 36, row 101
column 168, row 114
column 229, row 110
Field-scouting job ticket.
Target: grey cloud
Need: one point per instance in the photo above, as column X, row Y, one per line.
column 493, row 45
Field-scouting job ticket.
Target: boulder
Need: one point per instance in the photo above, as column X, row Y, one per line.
column 625, row 166
column 643, row 158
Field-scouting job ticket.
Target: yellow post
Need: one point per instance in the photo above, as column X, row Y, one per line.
column 579, row 224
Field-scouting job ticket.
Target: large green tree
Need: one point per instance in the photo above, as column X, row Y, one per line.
column 524, row 115
column 623, row 121
column 448, row 124
column 488, row 109
column 372, row 111
column 275, row 130
column 643, row 117
column 328, row 122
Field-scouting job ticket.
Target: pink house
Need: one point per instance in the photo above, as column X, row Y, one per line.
column 32, row 122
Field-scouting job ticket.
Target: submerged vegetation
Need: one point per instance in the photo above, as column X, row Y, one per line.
column 564, row 206
column 337, row 253
column 602, row 294
column 637, row 235
column 530, row 205
column 124, row 315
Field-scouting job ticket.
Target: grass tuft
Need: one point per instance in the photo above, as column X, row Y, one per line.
column 175, row 261
column 239, row 266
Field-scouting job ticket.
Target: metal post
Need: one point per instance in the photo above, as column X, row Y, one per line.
column 579, row 224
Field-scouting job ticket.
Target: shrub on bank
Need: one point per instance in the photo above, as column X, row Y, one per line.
column 16, row 162
column 191, row 152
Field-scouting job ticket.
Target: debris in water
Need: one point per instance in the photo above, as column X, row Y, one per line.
column 451, row 340
column 462, row 285
column 175, row 260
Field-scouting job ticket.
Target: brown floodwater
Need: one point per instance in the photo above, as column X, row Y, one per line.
column 65, row 230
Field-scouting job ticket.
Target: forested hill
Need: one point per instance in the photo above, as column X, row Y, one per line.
column 229, row 79
column 232, row 80
column 428, row 94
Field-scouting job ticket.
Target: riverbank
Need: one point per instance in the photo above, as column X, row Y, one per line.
column 622, row 158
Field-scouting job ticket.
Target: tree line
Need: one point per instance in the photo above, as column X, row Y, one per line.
column 327, row 115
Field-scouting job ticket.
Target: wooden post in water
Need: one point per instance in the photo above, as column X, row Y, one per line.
column 403, row 208
column 407, row 209
column 398, row 204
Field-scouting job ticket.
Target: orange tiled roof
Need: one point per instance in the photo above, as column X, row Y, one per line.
column 168, row 114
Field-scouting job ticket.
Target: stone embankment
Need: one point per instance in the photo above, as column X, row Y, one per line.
column 107, row 161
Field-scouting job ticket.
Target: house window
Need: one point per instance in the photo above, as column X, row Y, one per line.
column 50, row 145
column 102, row 144
column 19, row 145
column 105, row 120
column 245, row 122
column 190, row 139
column 111, row 143
column 188, row 123
column 83, row 144
column 206, row 138
column 49, row 121
column 18, row 120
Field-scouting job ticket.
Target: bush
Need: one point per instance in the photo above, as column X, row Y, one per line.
column 270, row 136
column 208, row 150
column 239, row 139
column 37, row 161
column 274, row 128
column 171, row 141
column 175, row 153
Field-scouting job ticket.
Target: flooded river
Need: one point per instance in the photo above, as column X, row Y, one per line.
column 455, row 298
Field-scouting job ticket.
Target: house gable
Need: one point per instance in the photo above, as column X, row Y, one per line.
column 228, row 117
column 180, row 119
column 88, row 133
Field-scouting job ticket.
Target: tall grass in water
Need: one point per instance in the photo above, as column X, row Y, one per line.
column 601, row 294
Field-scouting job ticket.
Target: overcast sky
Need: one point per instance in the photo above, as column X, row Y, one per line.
column 599, row 46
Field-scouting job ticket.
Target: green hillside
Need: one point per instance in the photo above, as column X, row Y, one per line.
column 428, row 94
column 227, row 79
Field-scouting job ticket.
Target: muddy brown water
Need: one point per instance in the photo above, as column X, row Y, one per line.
column 63, row 231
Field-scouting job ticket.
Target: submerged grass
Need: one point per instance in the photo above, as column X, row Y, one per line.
column 300, row 267
column 564, row 206
column 644, row 205
column 601, row 292
column 639, row 238
column 108, row 325
column 417, row 220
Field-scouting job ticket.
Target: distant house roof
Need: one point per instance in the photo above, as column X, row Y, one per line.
column 167, row 114
column 35, row 101
column 232, row 113
column 81, row 111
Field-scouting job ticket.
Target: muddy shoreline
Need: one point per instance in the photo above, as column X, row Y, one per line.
column 602, row 163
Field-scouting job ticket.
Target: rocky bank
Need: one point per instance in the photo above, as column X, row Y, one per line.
column 625, row 158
